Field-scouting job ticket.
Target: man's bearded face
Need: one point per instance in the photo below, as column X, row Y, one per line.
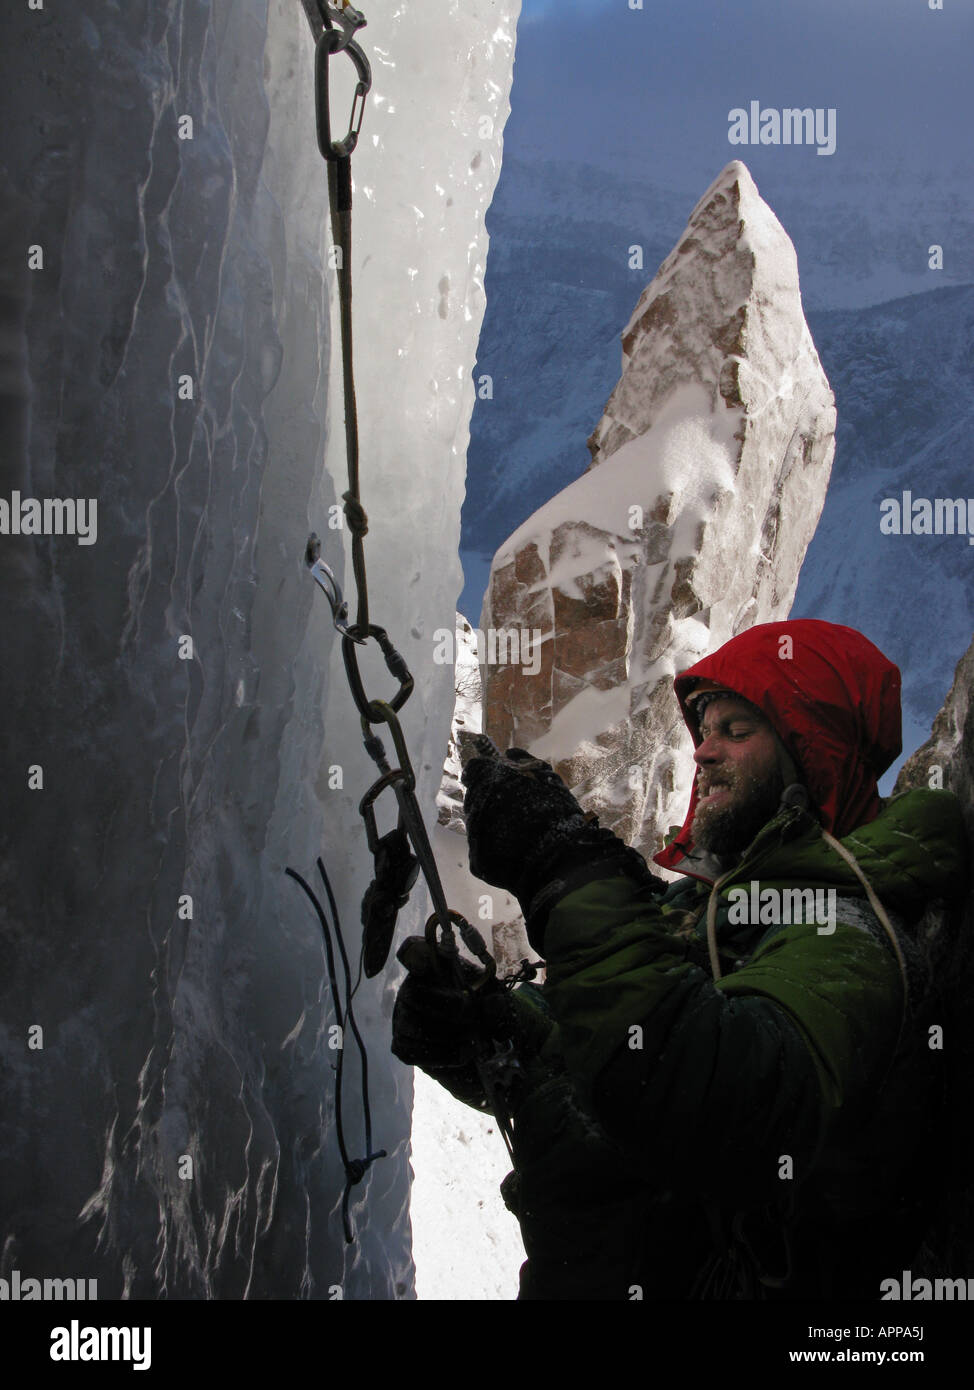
column 739, row 781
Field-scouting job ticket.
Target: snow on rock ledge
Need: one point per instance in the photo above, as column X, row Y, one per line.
column 709, row 471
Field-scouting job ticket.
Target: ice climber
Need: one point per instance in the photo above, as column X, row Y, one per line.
column 728, row 1085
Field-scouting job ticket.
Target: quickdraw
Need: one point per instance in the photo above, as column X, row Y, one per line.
column 405, row 852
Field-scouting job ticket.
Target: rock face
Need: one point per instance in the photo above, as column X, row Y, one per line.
column 947, row 758
column 708, row 475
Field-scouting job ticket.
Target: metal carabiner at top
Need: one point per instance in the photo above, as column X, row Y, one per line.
column 325, row 579
column 333, row 41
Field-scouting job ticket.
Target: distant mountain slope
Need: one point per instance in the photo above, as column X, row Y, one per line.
column 903, row 376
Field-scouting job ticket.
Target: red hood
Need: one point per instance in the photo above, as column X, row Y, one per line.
column 835, row 705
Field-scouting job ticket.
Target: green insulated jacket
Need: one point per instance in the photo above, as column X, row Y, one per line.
column 760, row 1135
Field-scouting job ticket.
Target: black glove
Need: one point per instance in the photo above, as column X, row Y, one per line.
column 516, row 809
column 434, row 1023
column 529, row 835
column 436, row 1027
column 442, row 1030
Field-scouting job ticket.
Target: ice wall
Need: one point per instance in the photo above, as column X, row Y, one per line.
column 169, row 777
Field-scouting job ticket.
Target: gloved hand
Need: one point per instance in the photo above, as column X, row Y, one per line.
column 435, row 1024
column 516, row 809
column 529, row 835
column 438, row 1028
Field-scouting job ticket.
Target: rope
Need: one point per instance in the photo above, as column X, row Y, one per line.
column 712, row 930
column 355, row 1168
column 334, row 32
column 340, row 200
column 876, row 906
column 874, row 903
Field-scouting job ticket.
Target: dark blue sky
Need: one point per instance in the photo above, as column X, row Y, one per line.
column 652, row 88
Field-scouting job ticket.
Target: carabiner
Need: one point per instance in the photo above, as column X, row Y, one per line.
column 332, row 41
column 471, row 938
column 348, row 19
column 377, row 711
column 326, row 581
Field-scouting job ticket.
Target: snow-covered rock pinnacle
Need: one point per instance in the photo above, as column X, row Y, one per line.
column 710, row 466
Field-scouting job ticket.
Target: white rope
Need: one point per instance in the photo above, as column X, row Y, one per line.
column 874, row 903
